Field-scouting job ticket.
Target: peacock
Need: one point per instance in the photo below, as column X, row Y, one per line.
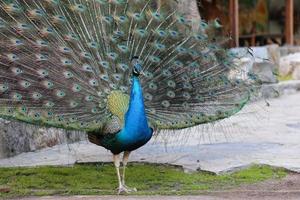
column 120, row 70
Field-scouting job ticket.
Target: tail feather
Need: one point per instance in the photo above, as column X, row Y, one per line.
column 61, row 59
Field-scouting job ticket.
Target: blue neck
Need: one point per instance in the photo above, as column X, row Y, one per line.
column 135, row 118
column 136, row 131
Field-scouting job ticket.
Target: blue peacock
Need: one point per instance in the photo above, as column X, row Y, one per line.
column 120, row 70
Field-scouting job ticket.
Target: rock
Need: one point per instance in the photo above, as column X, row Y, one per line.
column 265, row 72
column 274, row 54
column 280, row 89
column 261, row 61
column 296, row 71
column 243, row 63
column 287, row 63
column 286, row 50
column 260, row 53
column 284, row 67
column 16, row 138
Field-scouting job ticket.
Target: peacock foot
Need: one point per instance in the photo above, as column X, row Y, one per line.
column 125, row 190
column 130, row 189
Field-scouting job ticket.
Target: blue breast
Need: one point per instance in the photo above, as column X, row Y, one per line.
column 136, row 131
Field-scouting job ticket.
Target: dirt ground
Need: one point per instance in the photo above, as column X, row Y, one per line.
column 287, row 189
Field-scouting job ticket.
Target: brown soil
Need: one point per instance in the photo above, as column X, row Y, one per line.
column 287, row 188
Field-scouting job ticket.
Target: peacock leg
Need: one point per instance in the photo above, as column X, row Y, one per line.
column 125, row 161
column 121, row 188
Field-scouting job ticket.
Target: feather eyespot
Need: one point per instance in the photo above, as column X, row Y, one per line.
column 112, row 55
column 78, row 8
column 173, row 33
column 89, row 98
column 154, row 59
column 123, row 48
column 148, row 96
column 161, row 33
column 17, row 96
column 166, row 104
column 68, row 74
column 104, row 64
column 86, row 55
column 171, row 94
column 49, row 104
column 152, row 111
column 17, row 71
column 3, row 87
column 60, row 94
column 156, row 16
column 113, row 86
column 171, row 84
column 37, row 115
column 94, row 110
column 141, row 32
column 122, row 19
column 148, row 75
column 76, row 88
column 93, row 82
column 36, row 96
column 153, row 86
column 87, row 67
column 178, row 64
column 25, row 84
column 73, row 104
column 181, row 50
column 12, row 57
column 108, row 19
column 23, row 109
column 137, row 16
column 167, row 73
column 159, row 46
column 93, row 45
column 10, row 111
column 186, row 105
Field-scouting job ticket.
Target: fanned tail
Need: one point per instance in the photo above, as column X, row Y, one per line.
column 61, row 60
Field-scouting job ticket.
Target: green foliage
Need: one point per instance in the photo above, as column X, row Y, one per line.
column 101, row 180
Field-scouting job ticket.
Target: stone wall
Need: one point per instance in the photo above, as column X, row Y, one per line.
column 16, row 138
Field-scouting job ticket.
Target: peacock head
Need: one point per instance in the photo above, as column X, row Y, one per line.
column 137, row 67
